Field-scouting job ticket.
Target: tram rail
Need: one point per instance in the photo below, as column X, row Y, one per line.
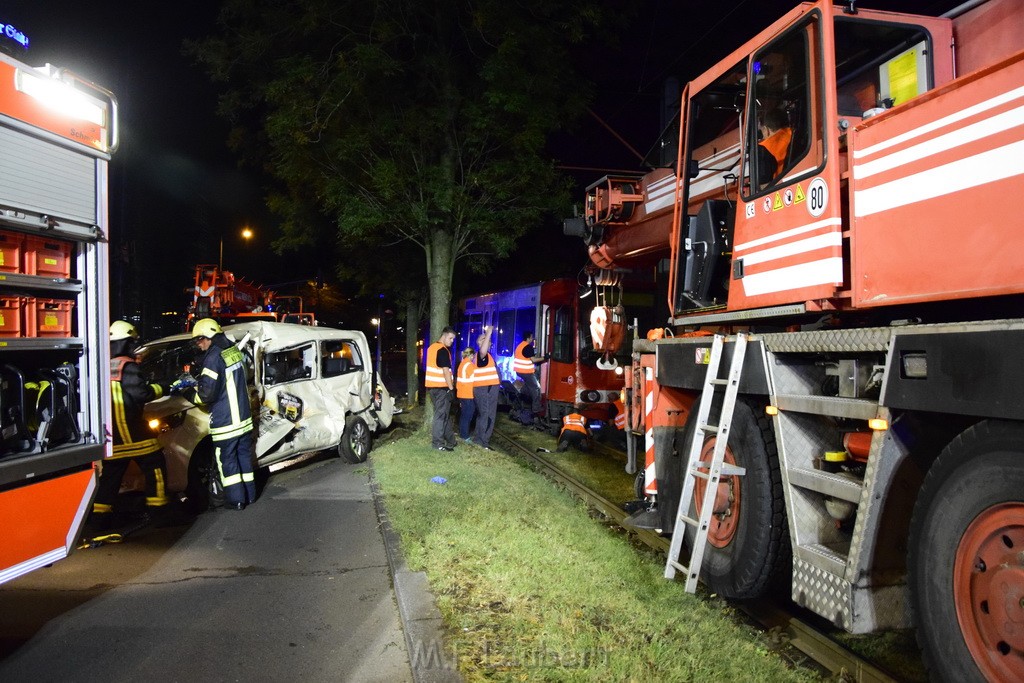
column 784, row 626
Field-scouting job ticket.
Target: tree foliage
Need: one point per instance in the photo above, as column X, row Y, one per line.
column 403, row 122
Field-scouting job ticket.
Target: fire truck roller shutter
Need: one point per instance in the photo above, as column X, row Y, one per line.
column 748, row 542
column 964, row 560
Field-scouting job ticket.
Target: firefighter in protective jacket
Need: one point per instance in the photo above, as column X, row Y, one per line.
column 221, row 386
column 132, row 439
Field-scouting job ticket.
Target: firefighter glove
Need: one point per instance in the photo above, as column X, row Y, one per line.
column 185, row 381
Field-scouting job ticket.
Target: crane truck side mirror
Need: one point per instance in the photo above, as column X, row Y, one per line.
column 693, row 168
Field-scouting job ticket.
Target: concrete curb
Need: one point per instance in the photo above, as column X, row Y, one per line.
column 430, row 659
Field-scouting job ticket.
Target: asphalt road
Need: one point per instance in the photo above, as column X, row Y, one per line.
column 295, row 587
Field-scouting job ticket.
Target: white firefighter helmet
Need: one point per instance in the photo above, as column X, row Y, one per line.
column 207, row 327
column 120, row 329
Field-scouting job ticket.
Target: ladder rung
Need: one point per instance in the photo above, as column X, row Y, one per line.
column 689, row 520
column 713, row 429
column 679, row 567
column 700, row 473
column 727, row 470
column 718, row 382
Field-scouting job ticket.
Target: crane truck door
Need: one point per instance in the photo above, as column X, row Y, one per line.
column 788, row 244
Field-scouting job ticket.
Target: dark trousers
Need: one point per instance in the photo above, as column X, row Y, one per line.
column 467, row 408
column 569, row 438
column 152, row 466
column 234, row 464
column 441, row 431
column 532, row 387
column 486, row 399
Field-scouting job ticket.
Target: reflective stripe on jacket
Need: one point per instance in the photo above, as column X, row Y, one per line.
column 486, row 375
column 464, row 379
column 129, row 394
column 222, row 387
column 434, row 377
column 521, row 364
column 574, row 422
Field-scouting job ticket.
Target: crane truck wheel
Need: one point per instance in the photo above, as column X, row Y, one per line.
column 355, row 441
column 745, row 549
column 965, row 561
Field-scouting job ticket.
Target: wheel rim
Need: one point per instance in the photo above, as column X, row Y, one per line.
column 988, row 591
column 359, row 439
column 726, row 514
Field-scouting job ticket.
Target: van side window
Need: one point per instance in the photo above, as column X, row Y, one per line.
column 339, row 357
column 288, row 365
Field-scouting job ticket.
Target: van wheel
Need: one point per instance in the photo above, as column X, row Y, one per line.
column 355, row 441
column 204, row 490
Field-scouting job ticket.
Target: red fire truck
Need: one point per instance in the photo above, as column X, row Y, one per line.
column 849, row 303
column 58, row 132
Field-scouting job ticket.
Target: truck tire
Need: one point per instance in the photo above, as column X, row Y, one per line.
column 355, row 441
column 965, row 567
column 748, row 540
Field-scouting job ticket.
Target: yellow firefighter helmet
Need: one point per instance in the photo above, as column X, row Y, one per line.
column 120, row 329
column 207, row 327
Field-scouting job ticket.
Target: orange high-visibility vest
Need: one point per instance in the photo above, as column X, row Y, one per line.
column 620, row 416
column 574, row 422
column 486, row 375
column 778, row 144
column 464, row 379
column 434, row 377
column 520, row 363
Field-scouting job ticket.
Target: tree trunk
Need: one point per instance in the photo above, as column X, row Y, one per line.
column 440, row 265
column 413, row 358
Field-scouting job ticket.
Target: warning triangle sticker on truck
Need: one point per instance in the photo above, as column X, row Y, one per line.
column 799, row 194
column 778, row 202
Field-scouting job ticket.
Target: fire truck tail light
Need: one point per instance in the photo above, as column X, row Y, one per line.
column 878, row 424
column 771, row 410
column 60, row 97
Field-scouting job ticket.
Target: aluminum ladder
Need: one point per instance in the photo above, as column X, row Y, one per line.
column 715, row 469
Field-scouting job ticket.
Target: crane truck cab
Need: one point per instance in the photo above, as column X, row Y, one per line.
column 312, row 389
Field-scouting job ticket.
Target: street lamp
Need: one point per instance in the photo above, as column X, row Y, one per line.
column 246, row 234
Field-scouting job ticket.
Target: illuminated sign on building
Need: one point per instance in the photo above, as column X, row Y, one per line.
column 11, row 34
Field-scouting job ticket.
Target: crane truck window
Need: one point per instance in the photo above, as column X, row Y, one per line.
column 784, row 111
column 879, row 64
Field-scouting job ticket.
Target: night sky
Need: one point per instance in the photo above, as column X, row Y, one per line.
column 176, row 189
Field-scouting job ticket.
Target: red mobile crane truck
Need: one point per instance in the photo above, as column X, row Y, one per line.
column 57, row 132
column 871, row 271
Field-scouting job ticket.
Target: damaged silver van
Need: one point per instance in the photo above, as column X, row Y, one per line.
column 312, row 389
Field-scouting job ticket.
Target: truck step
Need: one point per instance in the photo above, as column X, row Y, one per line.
column 828, row 483
column 854, row 408
column 822, row 557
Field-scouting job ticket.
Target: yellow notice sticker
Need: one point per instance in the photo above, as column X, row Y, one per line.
column 50, row 320
column 799, row 194
column 50, row 261
column 903, row 77
column 777, row 204
column 3, row 321
column 702, row 356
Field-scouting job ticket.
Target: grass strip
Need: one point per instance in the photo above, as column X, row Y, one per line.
column 531, row 587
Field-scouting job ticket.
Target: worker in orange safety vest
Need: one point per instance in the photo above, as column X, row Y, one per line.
column 774, row 145
column 575, row 432
column 485, row 390
column 440, row 383
column 525, row 362
column 464, row 391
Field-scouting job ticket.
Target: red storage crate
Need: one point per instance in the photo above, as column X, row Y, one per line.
column 10, row 316
column 11, row 246
column 48, row 317
column 47, row 257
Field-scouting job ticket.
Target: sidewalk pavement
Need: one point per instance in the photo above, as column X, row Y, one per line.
column 306, row 584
